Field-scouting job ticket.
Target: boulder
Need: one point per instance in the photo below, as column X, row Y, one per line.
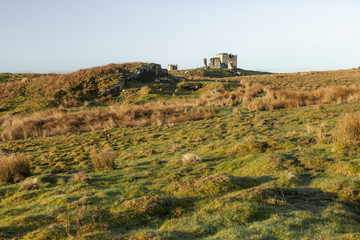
column 148, row 72
column 191, row 86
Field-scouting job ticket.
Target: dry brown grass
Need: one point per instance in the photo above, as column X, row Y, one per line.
column 56, row 122
column 277, row 99
column 62, row 81
column 103, row 159
column 254, row 96
column 321, row 133
column 304, row 81
column 13, row 167
column 145, row 90
column 49, row 83
column 347, row 134
column 79, row 177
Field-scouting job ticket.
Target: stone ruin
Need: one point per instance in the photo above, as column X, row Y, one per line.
column 222, row 61
column 172, row 67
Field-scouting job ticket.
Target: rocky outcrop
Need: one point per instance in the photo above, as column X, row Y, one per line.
column 115, row 90
column 147, row 72
column 97, row 82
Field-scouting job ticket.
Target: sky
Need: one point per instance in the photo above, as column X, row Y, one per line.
column 272, row 35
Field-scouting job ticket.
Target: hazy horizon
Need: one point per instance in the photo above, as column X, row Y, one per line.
column 276, row 36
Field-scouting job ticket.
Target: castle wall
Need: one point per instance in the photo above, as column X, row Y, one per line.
column 172, row 67
column 223, row 61
column 229, row 60
column 215, row 63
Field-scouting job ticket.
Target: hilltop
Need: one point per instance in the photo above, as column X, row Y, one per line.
column 126, row 151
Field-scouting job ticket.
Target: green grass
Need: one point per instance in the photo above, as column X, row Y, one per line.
column 291, row 188
column 262, row 175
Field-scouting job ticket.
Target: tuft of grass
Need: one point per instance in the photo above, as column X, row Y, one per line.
column 79, row 177
column 249, row 145
column 145, row 90
column 190, row 159
column 347, row 134
column 208, row 185
column 103, row 159
column 141, row 209
column 321, row 133
column 29, row 184
column 13, row 167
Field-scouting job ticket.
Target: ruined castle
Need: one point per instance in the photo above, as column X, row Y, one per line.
column 222, row 61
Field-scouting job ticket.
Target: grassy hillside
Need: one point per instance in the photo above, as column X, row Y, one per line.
column 26, row 93
column 249, row 157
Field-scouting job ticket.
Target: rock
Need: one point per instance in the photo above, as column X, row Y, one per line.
column 145, row 73
column 114, row 90
column 191, row 86
column 148, row 72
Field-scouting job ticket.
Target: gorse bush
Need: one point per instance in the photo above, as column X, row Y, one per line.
column 103, row 159
column 13, row 167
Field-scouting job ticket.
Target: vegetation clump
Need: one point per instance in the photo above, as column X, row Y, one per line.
column 208, row 185
column 142, row 209
column 79, row 177
column 103, row 159
column 232, row 212
column 248, row 146
column 14, row 167
column 347, row 134
column 190, row 159
column 29, row 184
column 145, row 90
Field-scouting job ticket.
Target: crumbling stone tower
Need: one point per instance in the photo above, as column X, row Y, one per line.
column 223, row 61
column 172, row 67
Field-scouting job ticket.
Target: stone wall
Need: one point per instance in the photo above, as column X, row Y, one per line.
column 215, row 63
column 229, row 60
column 223, row 61
column 172, row 67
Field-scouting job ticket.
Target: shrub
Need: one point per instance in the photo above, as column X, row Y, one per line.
column 79, row 177
column 103, row 160
column 190, row 158
column 13, row 167
column 347, row 134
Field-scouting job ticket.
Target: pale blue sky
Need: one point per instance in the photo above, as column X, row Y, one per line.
column 273, row 35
